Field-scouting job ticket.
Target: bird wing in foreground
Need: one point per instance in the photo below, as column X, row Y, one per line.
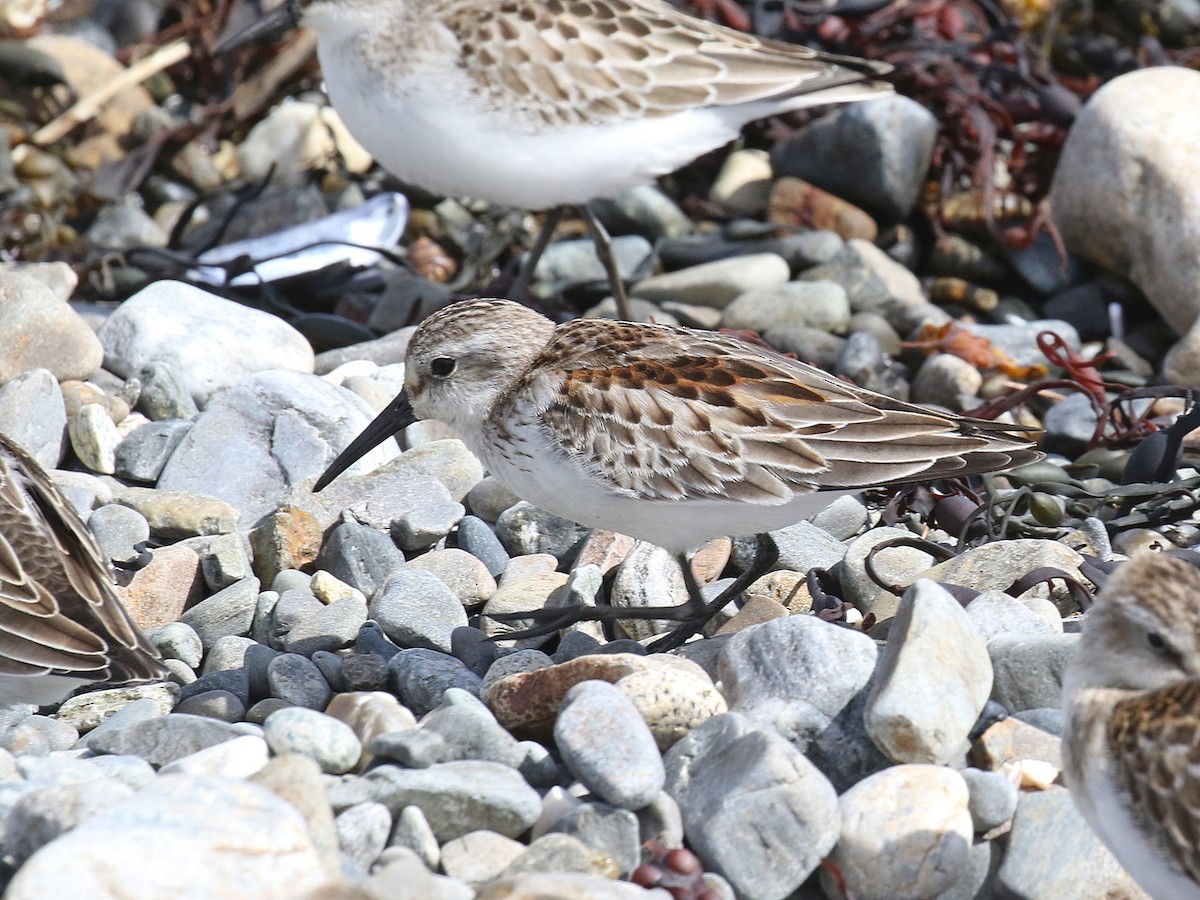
column 58, row 610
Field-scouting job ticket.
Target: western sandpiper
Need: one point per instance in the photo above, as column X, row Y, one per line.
column 1131, row 749
column 538, row 104
column 669, row 435
column 62, row 625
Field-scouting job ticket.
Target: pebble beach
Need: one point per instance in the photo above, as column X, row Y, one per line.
column 879, row 718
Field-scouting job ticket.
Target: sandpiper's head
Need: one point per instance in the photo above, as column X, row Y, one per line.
column 465, row 356
column 461, row 360
column 1143, row 632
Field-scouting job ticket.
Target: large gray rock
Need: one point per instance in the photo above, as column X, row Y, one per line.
column 1126, row 193
column 42, row 332
column 875, row 154
column 270, row 431
column 934, row 678
column 906, row 834
column 215, row 342
column 754, row 809
column 210, row 837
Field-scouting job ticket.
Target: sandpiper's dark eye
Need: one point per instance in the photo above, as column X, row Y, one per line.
column 1155, row 640
column 442, row 366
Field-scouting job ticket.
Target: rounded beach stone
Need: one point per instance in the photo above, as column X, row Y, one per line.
column 607, row 745
column 217, row 836
column 329, row 741
column 906, row 833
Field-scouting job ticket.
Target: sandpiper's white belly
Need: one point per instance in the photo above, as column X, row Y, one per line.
column 536, row 471
column 433, row 133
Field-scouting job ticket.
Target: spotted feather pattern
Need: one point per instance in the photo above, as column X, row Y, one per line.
column 576, row 61
column 1155, row 741
column 671, row 413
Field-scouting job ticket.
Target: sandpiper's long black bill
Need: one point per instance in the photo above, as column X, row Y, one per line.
column 397, row 416
column 277, row 21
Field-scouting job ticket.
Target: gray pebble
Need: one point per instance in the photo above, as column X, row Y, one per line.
column 232, row 681
column 490, row 498
column 993, row 798
column 332, row 743
column 472, row 646
column 219, row 837
column 32, row 413
column 164, row 396
column 873, row 154
column 178, row 641
column 661, row 821
column 464, row 574
column 224, row 559
column 230, row 611
column 607, row 745
column 163, row 739
column 296, row 679
column 142, row 453
column 412, row 831
column 412, row 749
column 479, row 857
column 477, row 538
column 362, row 832
column 330, row 665
column 611, row 831
column 525, row 529
column 1047, row 829
column 539, row 767
column 459, row 797
column 715, row 283
column 472, row 732
column 330, row 627
column 227, row 653
column 420, row 677
column 933, row 679
column 364, row 672
column 221, row 705
column 754, row 808
column 118, row 529
column 360, row 556
column 905, row 832
column 372, row 640
column 415, row 608
column 1029, row 670
column 40, row 816
column 808, row 304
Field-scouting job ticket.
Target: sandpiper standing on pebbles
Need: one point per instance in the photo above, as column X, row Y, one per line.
column 1131, row 749
column 540, row 104
column 62, row 625
column 669, row 435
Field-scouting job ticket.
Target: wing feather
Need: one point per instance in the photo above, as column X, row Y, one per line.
column 704, row 415
column 58, row 610
column 607, row 60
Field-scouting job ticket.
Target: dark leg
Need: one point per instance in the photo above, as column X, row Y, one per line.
column 520, row 288
column 693, row 615
column 604, row 252
column 766, row 555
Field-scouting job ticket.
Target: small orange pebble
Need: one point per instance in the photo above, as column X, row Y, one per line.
column 956, row 340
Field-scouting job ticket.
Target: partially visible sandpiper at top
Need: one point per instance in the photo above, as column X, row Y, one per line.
column 62, row 625
column 1131, row 747
column 670, row 435
column 538, row 104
